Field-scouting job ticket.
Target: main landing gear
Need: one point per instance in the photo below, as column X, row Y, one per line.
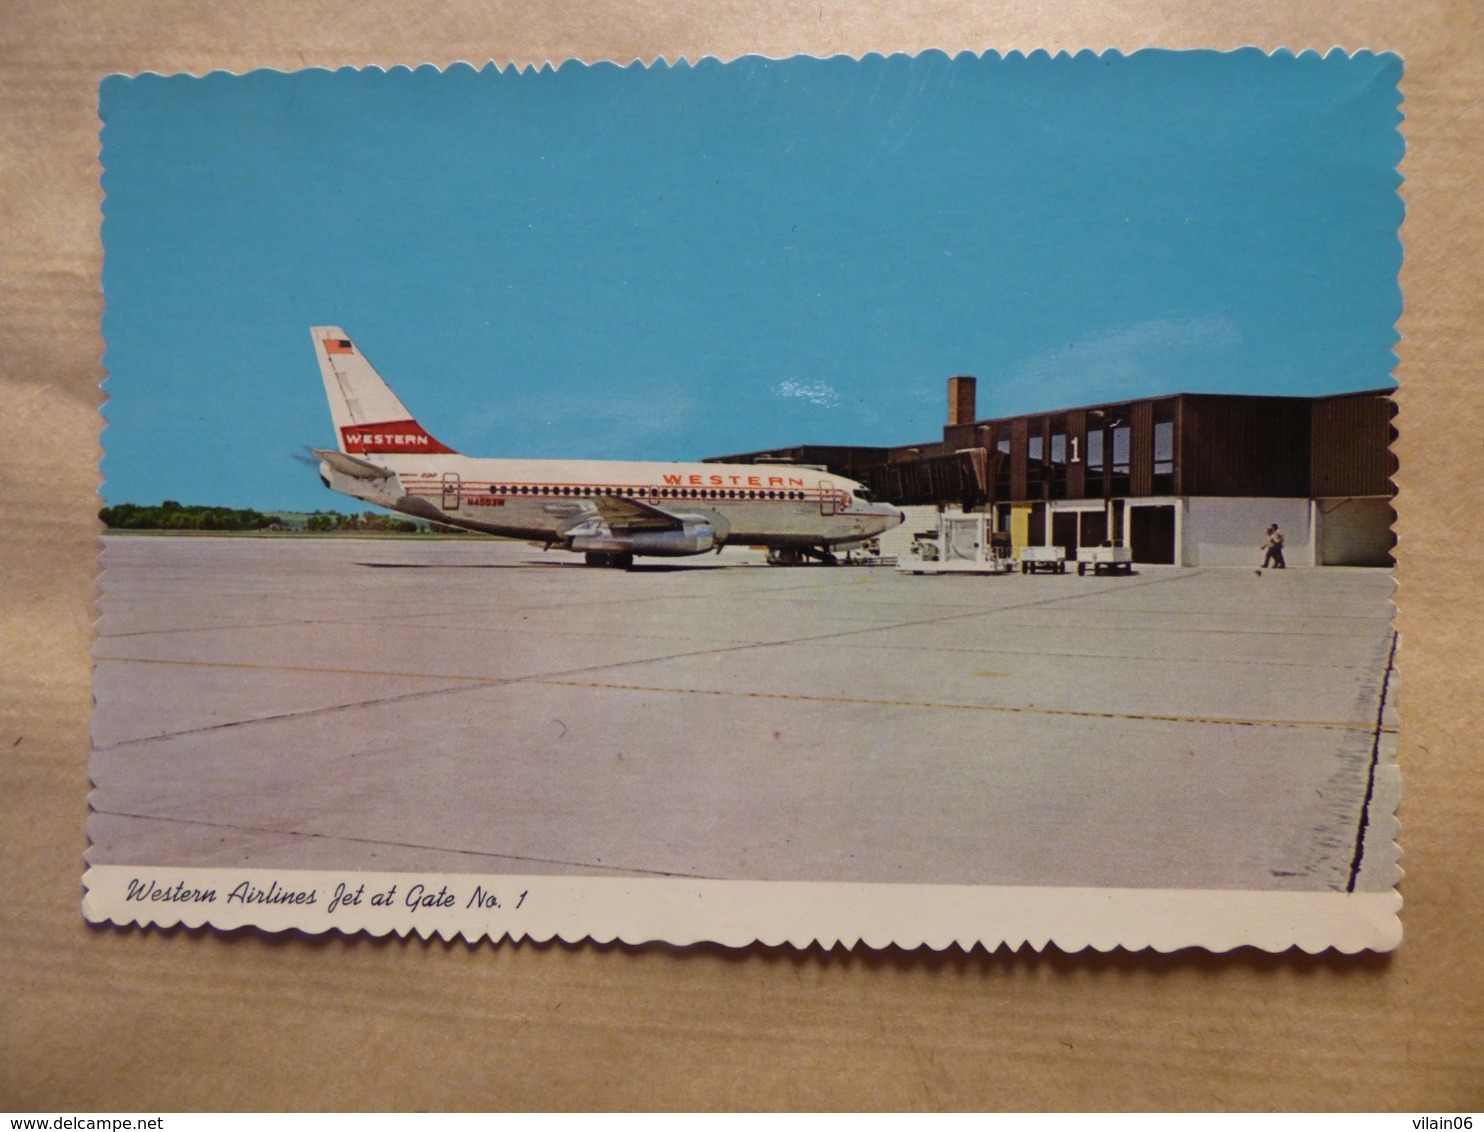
column 604, row 558
column 795, row 555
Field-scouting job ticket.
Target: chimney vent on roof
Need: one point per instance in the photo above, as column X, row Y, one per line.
column 961, row 400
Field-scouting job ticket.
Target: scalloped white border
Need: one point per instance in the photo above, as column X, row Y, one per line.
column 552, row 65
column 738, row 913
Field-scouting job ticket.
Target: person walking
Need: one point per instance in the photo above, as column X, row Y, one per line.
column 1273, row 549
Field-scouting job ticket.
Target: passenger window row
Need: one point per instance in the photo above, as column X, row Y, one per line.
column 646, row 493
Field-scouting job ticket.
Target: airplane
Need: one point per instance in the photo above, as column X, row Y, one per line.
column 610, row 511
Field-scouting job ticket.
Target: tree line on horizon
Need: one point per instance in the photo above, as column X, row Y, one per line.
column 174, row 516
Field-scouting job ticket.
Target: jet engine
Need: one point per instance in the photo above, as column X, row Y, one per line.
column 697, row 535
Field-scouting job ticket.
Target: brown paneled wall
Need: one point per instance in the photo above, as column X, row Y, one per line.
column 1225, row 445
column 1351, row 439
column 1141, row 448
column 1077, row 437
column 1019, row 433
column 960, row 436
column 1244, row 446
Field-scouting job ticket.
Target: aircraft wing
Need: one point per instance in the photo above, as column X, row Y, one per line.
column 629, row 514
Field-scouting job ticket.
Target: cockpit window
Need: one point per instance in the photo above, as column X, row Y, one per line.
column 862, row 493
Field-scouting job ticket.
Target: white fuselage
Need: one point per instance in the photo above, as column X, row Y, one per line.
column 553, row 500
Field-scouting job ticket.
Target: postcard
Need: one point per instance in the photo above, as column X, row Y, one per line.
column 900, row 500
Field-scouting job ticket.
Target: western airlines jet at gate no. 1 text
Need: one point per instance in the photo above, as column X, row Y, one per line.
column 609, row 510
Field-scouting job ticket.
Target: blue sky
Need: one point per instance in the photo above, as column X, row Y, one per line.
column 676, row 262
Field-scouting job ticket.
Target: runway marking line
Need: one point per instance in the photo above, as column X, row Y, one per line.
column 1358, row 861
column 483, row 853
column 1010, row 709
column 248, row 665
column 495, row 681
column 473, row 682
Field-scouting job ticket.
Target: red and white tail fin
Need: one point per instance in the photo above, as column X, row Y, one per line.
column 369, row 419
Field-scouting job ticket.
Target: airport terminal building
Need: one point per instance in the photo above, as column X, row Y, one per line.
column 1190, row 479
